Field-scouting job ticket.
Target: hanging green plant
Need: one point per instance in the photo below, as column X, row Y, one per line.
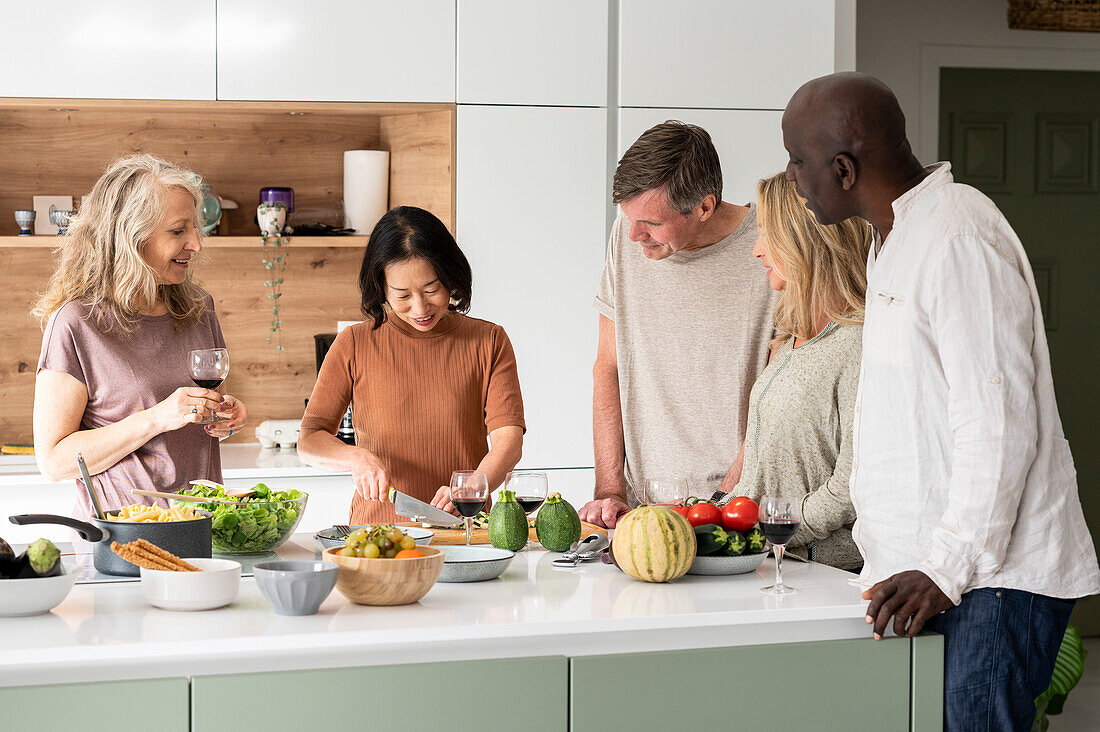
column 274, row 236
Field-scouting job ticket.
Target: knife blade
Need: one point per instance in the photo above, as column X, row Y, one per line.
column 417, row 510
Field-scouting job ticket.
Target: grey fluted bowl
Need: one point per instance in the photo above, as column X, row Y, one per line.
column 295, row 587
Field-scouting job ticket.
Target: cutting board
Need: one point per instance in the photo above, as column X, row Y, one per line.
column 447, row 537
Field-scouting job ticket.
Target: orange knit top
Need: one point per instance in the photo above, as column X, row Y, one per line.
column 424, row 403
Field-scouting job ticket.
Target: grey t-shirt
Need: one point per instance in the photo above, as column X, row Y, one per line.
column 691, row 334
column 126, row 373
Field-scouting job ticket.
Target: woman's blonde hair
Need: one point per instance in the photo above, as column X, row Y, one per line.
column 101, row 263
column 825, row 267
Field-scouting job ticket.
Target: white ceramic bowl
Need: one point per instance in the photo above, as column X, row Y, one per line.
column 215, row 586
column 21, row 597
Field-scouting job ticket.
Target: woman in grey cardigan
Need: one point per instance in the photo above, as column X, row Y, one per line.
column 799, row 436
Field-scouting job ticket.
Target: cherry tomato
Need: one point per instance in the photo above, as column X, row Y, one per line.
column 740, row 514
column 704, row 513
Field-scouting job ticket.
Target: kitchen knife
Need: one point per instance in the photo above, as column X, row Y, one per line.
column 417, row 510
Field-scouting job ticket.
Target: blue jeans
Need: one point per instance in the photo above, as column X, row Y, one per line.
column 999, row 651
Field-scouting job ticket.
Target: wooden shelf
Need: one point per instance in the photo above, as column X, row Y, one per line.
column 215, row 242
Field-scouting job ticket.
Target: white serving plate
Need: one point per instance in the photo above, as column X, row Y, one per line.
column 37, row 595
column 215, row 586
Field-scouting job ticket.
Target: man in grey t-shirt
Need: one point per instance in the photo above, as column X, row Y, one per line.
column 685, row 321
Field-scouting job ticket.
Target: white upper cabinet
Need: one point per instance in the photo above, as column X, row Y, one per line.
column 337, row 50
column 727, row 54
column 531, row 217
column 749, row 142
column 108, row 49
column 539, row 53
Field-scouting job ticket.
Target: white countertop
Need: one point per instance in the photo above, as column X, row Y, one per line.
column 108, row 631
column 239, row 461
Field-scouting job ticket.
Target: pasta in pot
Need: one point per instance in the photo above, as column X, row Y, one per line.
column 138, row 513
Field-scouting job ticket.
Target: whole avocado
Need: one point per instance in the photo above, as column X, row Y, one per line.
column 557, row 524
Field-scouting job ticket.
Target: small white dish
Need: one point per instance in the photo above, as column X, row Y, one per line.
column 22, row 597
column 215, row 586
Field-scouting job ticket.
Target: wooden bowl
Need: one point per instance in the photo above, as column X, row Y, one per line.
column 386, row 581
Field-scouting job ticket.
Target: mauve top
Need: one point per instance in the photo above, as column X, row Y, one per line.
column 126, row 373
column 423, row 402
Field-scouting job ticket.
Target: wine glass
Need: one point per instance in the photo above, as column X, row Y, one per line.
column 209, row 367
column 530, row 488
column 469, row 491
column 665, row 491
column 779, row 520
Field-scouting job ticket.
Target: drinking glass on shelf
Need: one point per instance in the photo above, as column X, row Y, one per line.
column 469, row 491
column 665, row 491
column 209, row 367
column 779, row 520
column 530, row 488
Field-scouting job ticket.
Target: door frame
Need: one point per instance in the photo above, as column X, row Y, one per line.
column 934, row 57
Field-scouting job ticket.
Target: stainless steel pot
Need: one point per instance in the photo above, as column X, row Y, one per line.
column 185, row 539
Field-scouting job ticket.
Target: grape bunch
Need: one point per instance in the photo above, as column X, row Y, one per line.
column 386, row 541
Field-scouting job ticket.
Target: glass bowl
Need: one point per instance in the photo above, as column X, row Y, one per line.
column 250, row 527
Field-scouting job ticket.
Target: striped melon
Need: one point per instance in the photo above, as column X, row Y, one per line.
column 654, row 544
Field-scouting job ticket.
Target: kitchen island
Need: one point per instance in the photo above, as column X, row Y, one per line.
column 540, row 648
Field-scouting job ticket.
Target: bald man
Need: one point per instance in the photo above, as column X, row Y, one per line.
column 968, row 516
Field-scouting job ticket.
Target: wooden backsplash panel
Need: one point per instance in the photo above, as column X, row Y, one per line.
column 320, row 289
column 422, row 161
column 61, row 148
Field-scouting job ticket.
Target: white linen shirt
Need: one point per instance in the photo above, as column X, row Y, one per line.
column 961, row 469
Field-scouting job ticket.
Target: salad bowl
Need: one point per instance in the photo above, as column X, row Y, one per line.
column 255, row 524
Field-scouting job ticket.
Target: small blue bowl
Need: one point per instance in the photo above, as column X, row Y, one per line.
column 295, row 587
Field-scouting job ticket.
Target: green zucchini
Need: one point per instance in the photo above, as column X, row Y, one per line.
column 735, row 544
column 709, row 539
column 756, row 540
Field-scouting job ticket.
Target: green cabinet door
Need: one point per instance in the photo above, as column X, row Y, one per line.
column 839, row 685
column 927, row 693
column 107, row 706
column 490, row 696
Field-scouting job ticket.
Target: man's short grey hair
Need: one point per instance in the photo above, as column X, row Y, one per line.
column 676, row 157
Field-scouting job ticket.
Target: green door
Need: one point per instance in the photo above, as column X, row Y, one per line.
column 1029, row 140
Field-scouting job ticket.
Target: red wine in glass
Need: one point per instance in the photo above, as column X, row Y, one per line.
column 529, row 488
column 469, row 492
column 780, row 530
column 208, row 368
column 530, row 503
column 469, row 507
column 780, row 518
column 211, row 384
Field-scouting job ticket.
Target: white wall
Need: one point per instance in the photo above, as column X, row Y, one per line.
column 902, row 42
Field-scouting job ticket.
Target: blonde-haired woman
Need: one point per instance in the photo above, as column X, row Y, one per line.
column 121, row 315
column 799, row 436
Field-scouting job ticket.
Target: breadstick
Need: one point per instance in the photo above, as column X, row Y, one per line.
column 165, row 555
column 151, row 556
